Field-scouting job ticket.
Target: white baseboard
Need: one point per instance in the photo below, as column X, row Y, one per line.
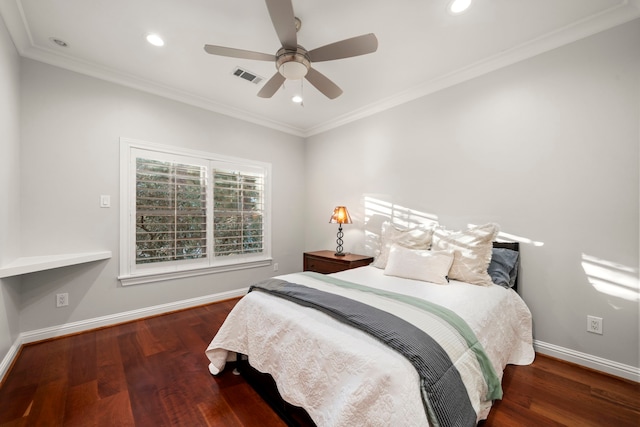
column 6, row 362
column 112, row 319
column 594, row 362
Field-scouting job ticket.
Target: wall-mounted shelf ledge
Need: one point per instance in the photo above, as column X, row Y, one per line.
column 32, row 264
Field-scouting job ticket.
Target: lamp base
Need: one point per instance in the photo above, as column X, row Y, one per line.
column 339, row 236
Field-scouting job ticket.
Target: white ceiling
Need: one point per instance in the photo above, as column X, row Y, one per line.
column 422, row 48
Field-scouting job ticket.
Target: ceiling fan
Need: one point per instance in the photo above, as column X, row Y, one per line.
column 292, row 60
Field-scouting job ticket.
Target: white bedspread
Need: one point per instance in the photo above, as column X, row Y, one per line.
column 344, row 377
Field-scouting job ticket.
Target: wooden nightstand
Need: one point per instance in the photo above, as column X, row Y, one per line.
column 326, row 262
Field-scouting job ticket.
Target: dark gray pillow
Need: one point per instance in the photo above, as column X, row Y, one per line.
column 503, row 268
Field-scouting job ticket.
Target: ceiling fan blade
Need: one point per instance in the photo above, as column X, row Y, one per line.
column 347, row 48
column 323, row 84
column 284, row 21
column 272, row 86
column 238, row 53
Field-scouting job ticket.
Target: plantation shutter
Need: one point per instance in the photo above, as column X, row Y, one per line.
column 239, row 212
column 171, row 211
column 185, row 213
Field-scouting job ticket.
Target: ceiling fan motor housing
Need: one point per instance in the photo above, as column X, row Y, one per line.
column 293, row 64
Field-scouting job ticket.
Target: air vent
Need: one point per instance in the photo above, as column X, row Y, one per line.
column 247, row 75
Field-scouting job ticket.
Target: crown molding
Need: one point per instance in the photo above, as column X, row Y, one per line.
column 618, row 15
column 47, row 56
column 13, row 14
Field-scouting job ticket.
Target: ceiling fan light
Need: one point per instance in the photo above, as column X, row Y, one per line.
column 293, row 64
column 293, row 70
column 458, row 6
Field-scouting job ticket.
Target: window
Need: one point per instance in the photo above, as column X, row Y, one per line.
column 238, row 206
column 186, row 213
column 171, row 211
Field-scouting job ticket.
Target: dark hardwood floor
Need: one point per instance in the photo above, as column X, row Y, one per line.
column 153, row 372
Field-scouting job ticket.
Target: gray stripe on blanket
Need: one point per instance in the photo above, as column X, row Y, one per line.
column 443, row 392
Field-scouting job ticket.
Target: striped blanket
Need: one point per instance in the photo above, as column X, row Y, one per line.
column 344, row 376
column 443, row 391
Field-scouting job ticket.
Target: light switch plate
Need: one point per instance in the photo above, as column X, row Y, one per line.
column 105, row 201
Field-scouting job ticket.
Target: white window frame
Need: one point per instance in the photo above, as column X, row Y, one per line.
column 132, row 273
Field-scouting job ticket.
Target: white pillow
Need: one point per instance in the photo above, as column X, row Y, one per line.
column 428, row 266
column 472, row 252
column 414, row 238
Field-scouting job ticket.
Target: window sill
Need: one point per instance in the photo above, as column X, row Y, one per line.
column 141, row 278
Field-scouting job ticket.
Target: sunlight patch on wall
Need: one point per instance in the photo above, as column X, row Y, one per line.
column 399, row 215
column 378, row 211
column 508, row 237
column 612, row 278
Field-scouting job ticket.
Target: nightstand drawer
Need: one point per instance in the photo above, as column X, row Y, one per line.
column 326, row 262
column 323, row 266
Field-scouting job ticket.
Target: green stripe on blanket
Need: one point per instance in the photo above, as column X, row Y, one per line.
column 494, row 388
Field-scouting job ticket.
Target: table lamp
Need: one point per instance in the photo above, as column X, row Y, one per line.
column 340, row 216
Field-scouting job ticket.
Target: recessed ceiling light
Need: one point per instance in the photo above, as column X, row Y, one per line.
column 155, row 40
column 456, row 7
column 59, row 42
column 297, row 99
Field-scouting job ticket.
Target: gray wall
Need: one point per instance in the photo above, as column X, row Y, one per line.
column 9, row 186
column 547, row 148
column 70, row 156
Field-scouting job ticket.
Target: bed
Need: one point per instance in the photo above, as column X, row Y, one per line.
column 342, row 374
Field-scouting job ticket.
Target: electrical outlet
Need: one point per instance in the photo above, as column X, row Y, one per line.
column 275, row 266
column 594, row 324
column 62, row 300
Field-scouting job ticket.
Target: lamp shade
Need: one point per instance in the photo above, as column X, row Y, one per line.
column 340, row 216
